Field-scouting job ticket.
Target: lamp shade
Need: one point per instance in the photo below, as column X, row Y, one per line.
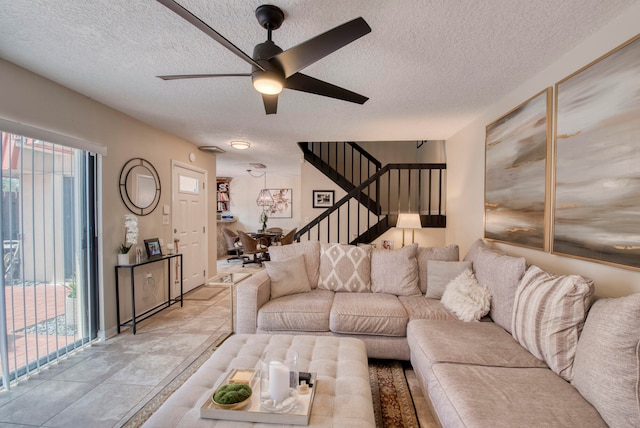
column 409, row 221
column 264, row 199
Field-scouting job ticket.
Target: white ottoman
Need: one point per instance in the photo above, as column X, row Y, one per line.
column 343, row 394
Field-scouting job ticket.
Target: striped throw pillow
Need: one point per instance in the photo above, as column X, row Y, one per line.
column 548, row 316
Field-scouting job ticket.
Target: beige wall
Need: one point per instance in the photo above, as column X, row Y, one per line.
column 465, row 175
column 32, row 100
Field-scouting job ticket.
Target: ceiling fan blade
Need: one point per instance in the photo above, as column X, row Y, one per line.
column 201, row 76
column 270, row 103
column 197, row 22
column 304, row 83
column 306, row 53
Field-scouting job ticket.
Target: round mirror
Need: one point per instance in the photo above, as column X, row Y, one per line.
column 139, row 186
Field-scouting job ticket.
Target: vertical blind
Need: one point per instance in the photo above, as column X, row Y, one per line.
column 49, row 259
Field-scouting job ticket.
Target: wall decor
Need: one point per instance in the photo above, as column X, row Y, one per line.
column 517, row 146
column 282, row 203
column 139, row 186
column 596, row 212
column 323, row 198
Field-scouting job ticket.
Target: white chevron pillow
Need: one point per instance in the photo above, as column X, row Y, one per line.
column 345, row 268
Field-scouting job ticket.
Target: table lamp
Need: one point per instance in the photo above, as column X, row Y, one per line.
column 409, row 221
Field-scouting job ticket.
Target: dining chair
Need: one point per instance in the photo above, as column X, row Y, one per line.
column 275, row 234
column 234, row 247
column 258, row 247
column 288, row 238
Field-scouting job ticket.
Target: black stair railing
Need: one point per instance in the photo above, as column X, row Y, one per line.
column 346, row 164
column 416, row 188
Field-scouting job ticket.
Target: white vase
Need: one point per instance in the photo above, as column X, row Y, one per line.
column 123, row 259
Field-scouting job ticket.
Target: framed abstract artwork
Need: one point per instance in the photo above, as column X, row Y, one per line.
column 596, row 212
column 517, row 148
column 282, row 203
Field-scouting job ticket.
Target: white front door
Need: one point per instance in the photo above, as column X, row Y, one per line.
column 189, row 223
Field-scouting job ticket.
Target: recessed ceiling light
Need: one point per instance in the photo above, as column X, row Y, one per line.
column 258, row 165
column 240, row 145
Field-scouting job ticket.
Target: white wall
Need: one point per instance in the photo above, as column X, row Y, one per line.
column 32, row 100
column 465, row 172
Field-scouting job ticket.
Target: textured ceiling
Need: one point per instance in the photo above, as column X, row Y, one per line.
column 428, row 66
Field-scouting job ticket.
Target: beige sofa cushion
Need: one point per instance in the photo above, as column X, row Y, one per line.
column 481, row 343
column 297, row 312
column 345, row 268
column 450, row 253
column 607, row 363
column 501, row 274
column 288, row 277
column 501, row 397
column 419, row 307
column 473, row 250
column 395, row 271
column 548, row 316
column 368, row 313
column 309, row 249
column 440, row 274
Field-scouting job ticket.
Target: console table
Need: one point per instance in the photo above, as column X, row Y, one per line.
column 132, row 267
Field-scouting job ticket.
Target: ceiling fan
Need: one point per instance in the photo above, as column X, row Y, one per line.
column 273, row 69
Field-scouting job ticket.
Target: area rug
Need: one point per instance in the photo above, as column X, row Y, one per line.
column 392, row 403
column 204, row 293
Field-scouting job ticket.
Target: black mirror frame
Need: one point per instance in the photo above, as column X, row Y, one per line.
column 124, row 194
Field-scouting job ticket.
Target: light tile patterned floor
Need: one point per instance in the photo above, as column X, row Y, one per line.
column 105, row 384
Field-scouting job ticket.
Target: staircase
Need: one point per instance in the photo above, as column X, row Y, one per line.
column 375, row 195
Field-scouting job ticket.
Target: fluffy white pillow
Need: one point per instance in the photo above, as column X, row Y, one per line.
column 467, row 299
column 288, row 277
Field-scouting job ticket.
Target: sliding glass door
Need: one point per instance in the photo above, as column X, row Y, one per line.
column 49, row 304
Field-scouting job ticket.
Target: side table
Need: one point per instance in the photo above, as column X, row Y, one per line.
column 146, row 314
column 229, row 279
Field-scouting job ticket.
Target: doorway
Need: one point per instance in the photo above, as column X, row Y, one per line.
column 189, row 222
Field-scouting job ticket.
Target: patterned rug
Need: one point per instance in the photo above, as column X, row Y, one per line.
column 392, row 403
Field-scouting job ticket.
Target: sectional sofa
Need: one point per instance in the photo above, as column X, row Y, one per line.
column 541, row 354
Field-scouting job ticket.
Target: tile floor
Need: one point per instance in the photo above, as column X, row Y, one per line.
column 105, row 384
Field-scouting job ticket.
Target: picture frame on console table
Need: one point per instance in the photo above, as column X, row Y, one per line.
column 596, row 208
column 517, row 156
column 154, row 250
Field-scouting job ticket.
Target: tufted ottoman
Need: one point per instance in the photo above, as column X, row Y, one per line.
column 343, row 394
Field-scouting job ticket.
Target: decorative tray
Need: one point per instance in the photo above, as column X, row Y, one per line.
column 253, row 411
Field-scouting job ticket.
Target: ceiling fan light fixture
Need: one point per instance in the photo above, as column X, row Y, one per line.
column 240, row 145
column 267, row 82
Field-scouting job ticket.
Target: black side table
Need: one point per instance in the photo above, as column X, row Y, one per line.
column 146, row 314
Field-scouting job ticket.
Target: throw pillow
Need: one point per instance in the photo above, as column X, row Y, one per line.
column 548, row 315
column 345, row 268
column 465, row 298
column 288, row 277
column 473, row 250
column 448, row 253
column 440, row 273
column 607, row 360
column 501, row 274
column 309, row 249
column 395, row 271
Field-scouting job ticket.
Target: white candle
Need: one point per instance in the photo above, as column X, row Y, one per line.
column 278, row 381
